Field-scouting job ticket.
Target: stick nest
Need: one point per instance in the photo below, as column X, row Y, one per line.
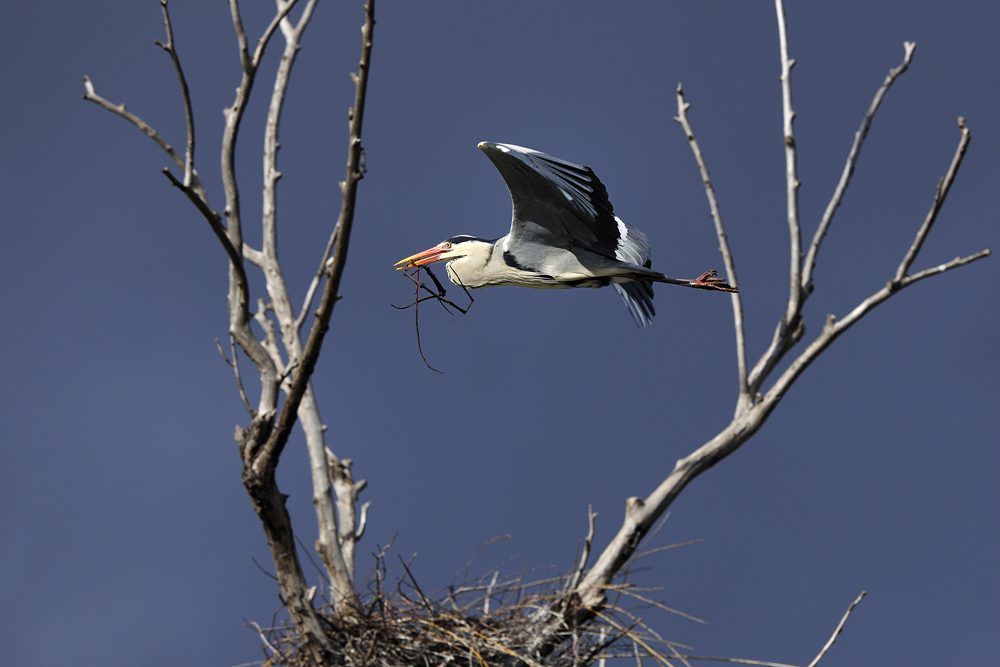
column 491, row 623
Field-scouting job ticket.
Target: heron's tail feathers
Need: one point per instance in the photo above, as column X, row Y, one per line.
column 638, row 298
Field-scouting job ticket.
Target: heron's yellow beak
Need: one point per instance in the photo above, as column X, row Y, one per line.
column 426, row 257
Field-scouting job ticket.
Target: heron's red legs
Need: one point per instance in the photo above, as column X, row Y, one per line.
column 709, row 280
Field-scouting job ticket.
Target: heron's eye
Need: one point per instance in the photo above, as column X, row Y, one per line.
column 448, row 246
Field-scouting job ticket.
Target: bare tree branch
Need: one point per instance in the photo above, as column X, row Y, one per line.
column 254, row 256
column 328, row 547
column 267, row 458
column 833, row 328
column 641, row 514
column 794, row 308
column 348, row 490
column 120, row 110
column 789, row 330
column 939, row 196
column 837, row 630
column 196, row 194
column 852, row 158
column 185, row 94
column 585, row 554
column 238, row 288
column 262, row 442
column 727, row 256
column 235, row 365
column 314, row 284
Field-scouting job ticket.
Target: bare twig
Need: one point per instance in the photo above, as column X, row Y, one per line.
column 837, row 630
column 939, row 196
column 666, row 547
column 791, row 171
column 270, row 340
column 852, row 158
column 235, row 365
column 260, row 633
column 275, row 278
column 239, row 289
column 489, row 592
column 185, row 94
column 790, row 328
column 585, row 555
column 348, row 490
column 727, row 255
column 439, row 296
column 193, row 189
column 659, row 605
column 416, row 586
column 416, row 320
column 91, row 96
column 833, row 328
column 314, row 284
column 739, row 661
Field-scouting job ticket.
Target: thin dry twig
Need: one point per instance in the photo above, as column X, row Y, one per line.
column 852, row 158
column 837, row 630
column 659, row 605
column 666, row 547
column 185, row 94
column 585, row 555
column 235, row 365
column 834, row 327
column 416, row 320
column 939, row 196
column 439, row 296
column 727, row 255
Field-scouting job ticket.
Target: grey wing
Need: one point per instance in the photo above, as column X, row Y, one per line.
column 563, row 204
column 557, row 202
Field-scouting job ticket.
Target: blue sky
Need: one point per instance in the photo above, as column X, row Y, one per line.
column 125, row 535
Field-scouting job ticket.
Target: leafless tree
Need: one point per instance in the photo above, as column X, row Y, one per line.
column 754, row 401
column 283, row 362
column 544, row 627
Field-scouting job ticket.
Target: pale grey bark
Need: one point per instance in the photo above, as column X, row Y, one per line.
column 281, row 359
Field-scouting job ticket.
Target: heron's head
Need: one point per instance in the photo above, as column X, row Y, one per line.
column 454, row 248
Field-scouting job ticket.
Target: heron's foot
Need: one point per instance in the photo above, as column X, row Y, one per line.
column 710, row 280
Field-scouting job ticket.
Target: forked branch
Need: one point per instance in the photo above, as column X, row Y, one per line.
column 852, row 159
column 789, row 330
column 262, row 442
column 641, row 514
column 837, row 630
column 185, row 94
column 265, row 458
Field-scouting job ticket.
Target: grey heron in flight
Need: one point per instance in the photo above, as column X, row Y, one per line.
column 563, row 233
